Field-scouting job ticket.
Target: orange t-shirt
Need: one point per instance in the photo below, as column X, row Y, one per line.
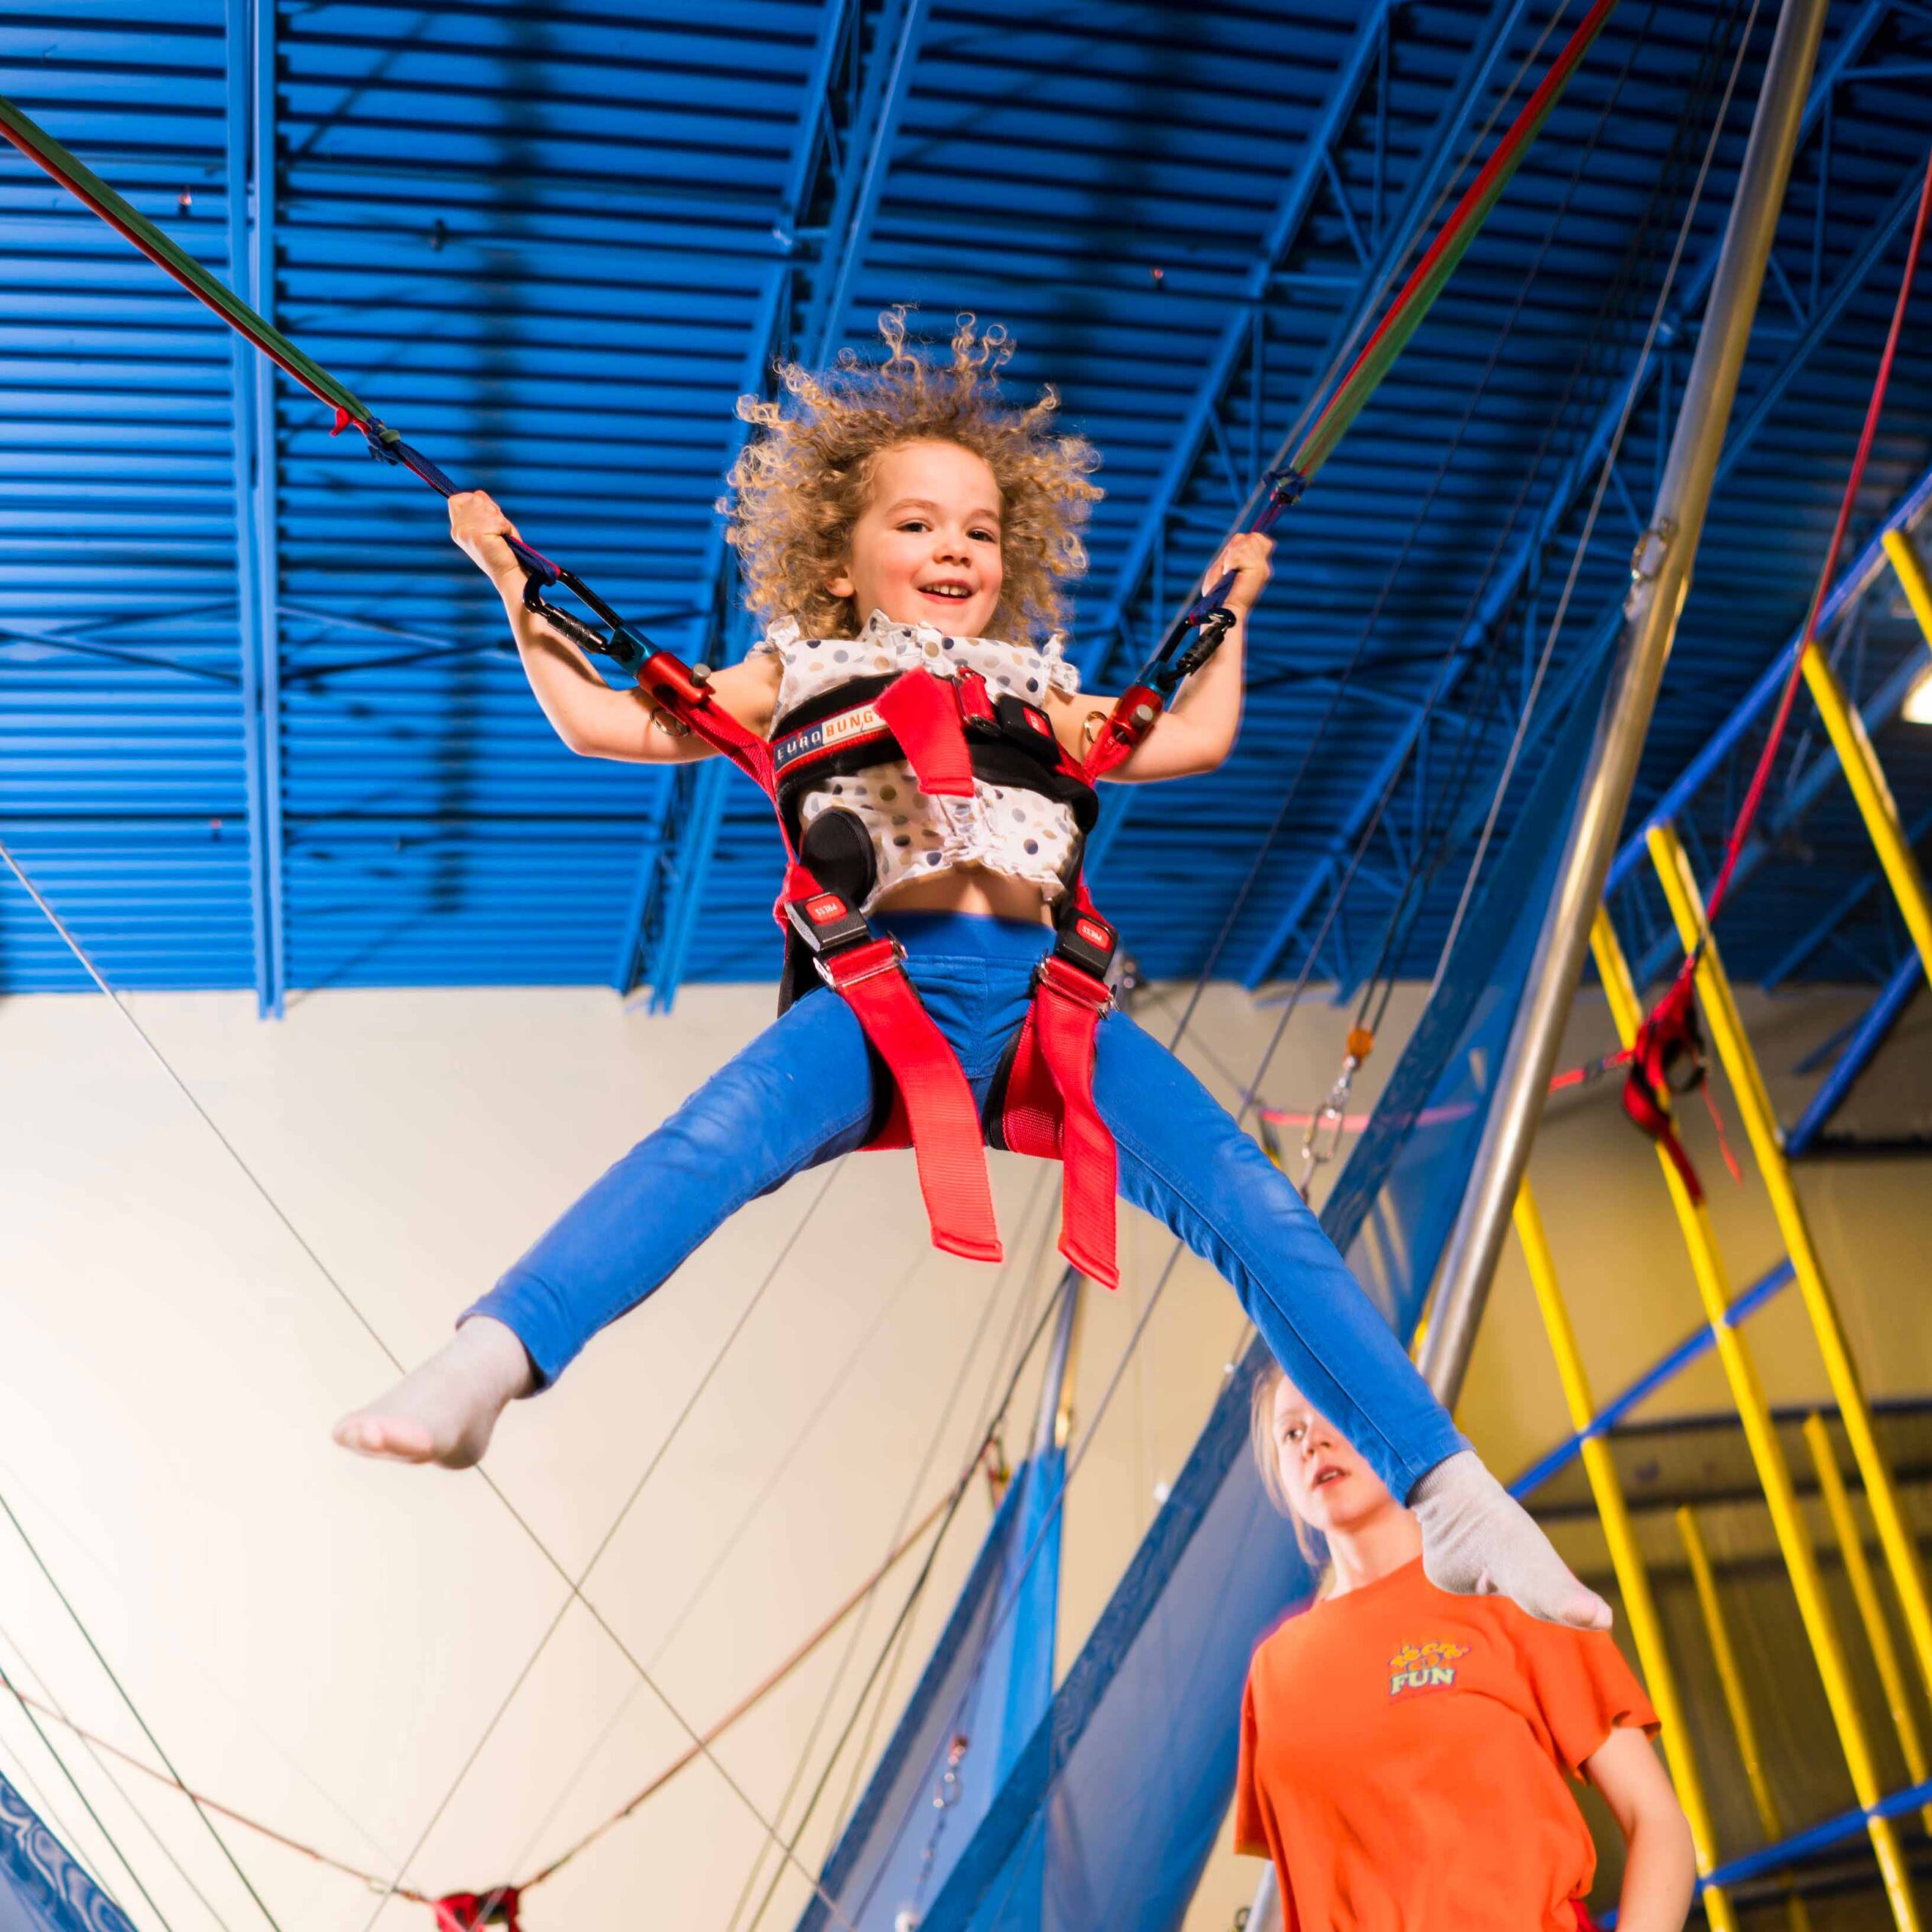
column 1404, row 1754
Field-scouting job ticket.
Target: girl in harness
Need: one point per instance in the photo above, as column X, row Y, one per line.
column 905, row 535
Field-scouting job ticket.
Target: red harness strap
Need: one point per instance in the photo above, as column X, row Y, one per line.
column 1048, row 1108
column 472, row 1912
column 1667, row 1040
column 1049, row 1111
column 932, row 1104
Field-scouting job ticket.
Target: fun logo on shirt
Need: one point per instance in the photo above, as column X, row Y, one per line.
column 1429, row 1667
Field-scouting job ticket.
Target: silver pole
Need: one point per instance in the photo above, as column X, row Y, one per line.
column 1660, row 580
column 1059, row 1359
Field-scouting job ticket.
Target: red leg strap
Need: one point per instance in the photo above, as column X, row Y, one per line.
column 1055, row 1058
column 923, row 712
column 937, row 1105
column 1640, row 1103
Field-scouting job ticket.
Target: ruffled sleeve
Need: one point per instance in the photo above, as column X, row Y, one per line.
column 777, row 641
column 1062, row 676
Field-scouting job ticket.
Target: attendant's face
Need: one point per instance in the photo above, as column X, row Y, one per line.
column 1329, row 1487
column 926, row 550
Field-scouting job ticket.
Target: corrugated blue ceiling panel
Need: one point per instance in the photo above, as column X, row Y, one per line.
column 549, row 247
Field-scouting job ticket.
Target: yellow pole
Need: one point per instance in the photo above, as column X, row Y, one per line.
column 1865, row 1593
column 1732, row 1679
column 1876, row 805
column 1912, row 574
column 1895, row 1536
column 1794, row 1535
column 1633, row 1578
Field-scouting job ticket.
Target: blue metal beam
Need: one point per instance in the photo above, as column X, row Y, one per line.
column 1824, row 313
column 1698, row 1343
column 1526, row 560
column 251, row 107
column 883, row 93
column 1284, row 231
column 1842, row 908
column 1879, row 1020
column 1854, row 582
column 674, row 870
column 1363, row 289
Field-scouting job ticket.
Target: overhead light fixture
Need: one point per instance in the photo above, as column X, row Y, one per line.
column 1917, row 708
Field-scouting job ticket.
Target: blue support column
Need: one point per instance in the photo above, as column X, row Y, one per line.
column 1879, row 1020
column 251, row 108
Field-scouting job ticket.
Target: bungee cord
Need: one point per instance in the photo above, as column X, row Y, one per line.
column 1604, row 471
column 1365, row 374
column 528, row 1529
column 1337, row 898
column 787, row 1459
column 902, row 1622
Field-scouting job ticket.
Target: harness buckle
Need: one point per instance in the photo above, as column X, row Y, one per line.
column 826, row 924
column 1087, row 942
column 1075, row 982
column 891, row 955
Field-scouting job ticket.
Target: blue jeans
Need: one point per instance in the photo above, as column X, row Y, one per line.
column 802, row 1092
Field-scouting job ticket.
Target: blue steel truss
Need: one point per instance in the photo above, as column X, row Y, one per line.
column 264, row 730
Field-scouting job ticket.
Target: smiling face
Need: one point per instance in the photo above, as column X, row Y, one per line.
column 1328, row 1486
column 926, row 548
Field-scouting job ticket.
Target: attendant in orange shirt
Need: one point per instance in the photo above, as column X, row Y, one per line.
column 1405, row 1754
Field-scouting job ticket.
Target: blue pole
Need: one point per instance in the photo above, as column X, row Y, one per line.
column 1883, row 1015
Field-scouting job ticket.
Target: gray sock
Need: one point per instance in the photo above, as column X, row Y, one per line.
column 1478, row 1540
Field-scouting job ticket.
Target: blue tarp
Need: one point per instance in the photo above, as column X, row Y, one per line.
column 978, row 1701
column 42, row 1888
column 1111, row 1810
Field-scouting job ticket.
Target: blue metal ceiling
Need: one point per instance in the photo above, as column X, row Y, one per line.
column 262, row 728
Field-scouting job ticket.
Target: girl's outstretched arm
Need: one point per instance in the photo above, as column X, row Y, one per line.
column 592, row 719
column 1659, row 1868
column 1198, row 733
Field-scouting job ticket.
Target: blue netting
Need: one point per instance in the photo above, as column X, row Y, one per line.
column 42, row 1888
column 1113, row 1808
column 979, row 1700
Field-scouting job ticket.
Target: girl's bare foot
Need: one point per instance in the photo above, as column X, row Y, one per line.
column 446, row 1412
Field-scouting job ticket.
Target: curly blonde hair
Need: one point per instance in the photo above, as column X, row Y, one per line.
column 799, row 488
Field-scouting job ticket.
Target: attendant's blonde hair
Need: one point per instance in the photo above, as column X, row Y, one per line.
column 1309, row 1540
column 805, row 477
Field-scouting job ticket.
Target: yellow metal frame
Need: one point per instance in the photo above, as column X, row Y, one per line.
column 1865, row 1594
column 1788, row 1521
column 1633, row 1578
column 1912, row 574
column 1876, row 805
column 1747, row 1085
column 1743, row 1726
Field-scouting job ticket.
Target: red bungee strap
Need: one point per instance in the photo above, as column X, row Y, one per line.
column 933, row 1104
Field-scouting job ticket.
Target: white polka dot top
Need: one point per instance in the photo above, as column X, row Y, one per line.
column 1016, row 832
